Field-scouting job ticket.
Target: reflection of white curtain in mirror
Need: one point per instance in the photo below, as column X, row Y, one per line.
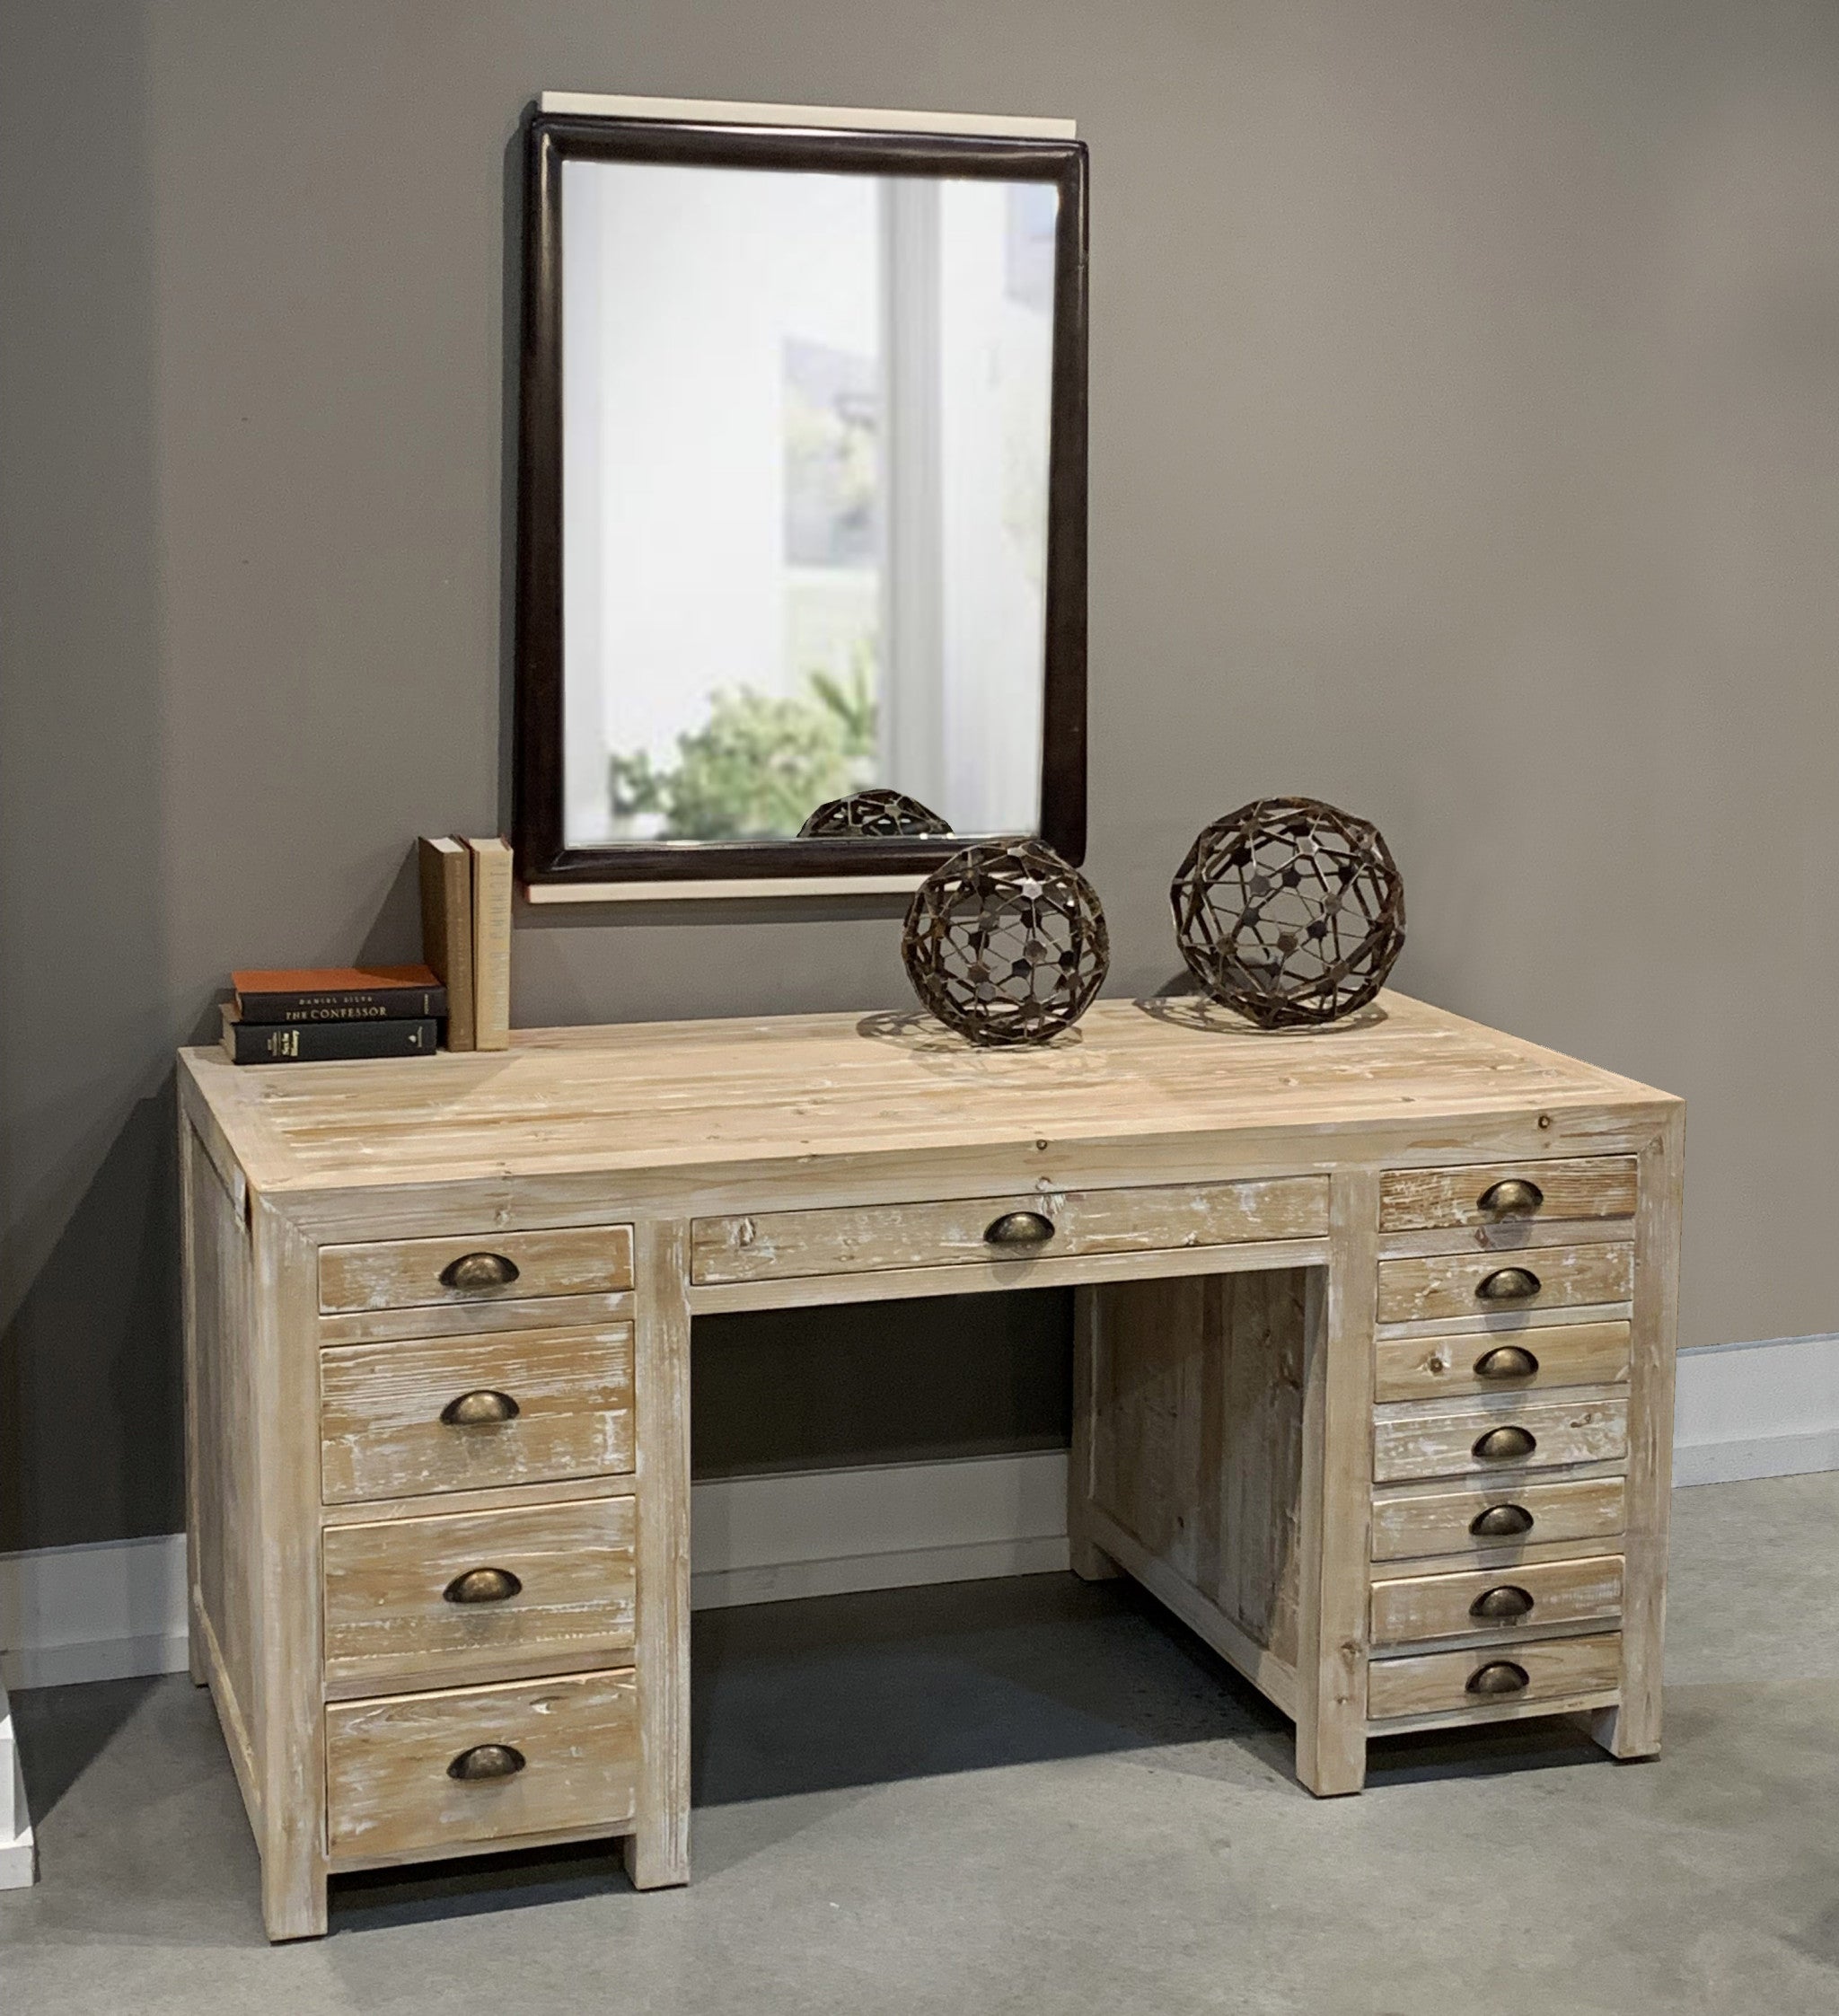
column 912, row 716
column 967, row 343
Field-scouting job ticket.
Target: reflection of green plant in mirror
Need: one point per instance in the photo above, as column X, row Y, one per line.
column 757, row 766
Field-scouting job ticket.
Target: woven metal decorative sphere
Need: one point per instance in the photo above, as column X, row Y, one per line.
column 1006, row 943
column 1289, row 911
column 875, row 815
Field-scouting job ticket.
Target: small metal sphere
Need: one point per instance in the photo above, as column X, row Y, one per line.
column 1289, row 911
column 876, row 814
column 1006, row 943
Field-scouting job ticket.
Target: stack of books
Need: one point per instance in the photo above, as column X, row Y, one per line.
column 323, row 1015
column 320, row 1014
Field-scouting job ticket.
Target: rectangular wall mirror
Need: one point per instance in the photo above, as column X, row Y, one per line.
column 803, row 498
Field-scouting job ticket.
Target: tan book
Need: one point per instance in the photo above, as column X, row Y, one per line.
column 446, row 929
column 491, row 943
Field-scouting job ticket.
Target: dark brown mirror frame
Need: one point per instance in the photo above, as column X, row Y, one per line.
column 542, row 857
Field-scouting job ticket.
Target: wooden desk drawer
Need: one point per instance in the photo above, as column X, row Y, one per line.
column 1437, row 1522
column 1588, row 1427
column 399, row 1607
column 1431, row 1200
column 391, row 1794
column 566, row 1396
column 1439, row 1683
column 1149, row 1220
column 1513, row 1361
column 1454, row 1284
column 1407, row 1611
column 407, row 1273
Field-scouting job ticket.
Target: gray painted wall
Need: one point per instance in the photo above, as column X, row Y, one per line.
column 1466, row 429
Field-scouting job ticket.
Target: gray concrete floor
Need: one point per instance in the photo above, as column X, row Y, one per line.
column 1035, row 1796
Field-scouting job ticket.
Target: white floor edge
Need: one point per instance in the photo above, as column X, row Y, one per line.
column 117, row 1609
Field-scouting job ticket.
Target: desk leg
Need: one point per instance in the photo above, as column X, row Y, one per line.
column 1087, row 1560
column 293, row 1742
column 1337, row 1494
column 1632, row 1728
column 657, row 1850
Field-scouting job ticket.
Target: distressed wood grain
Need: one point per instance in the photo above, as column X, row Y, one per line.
column 399, row 1273
column 1436, row 1522
column 1566, row 1354
column 1434, row 1285
column 1563, row 1592
column 1589, row 1425
column 768, row 1246
column 388, row 1788
column 1436, row 1683
column 382, row 1435
column 389, row 1621
column 1423, row 1200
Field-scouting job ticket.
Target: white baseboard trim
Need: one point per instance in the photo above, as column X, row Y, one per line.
column 118, row 1608
column 102, row 1612
column 1762, row 1410
column 825, row 1532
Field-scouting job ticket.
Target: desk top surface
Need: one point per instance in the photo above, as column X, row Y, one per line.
column 627, row 1096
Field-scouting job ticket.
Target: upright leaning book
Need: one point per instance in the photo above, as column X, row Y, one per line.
column 446, row 929
column 491, row 943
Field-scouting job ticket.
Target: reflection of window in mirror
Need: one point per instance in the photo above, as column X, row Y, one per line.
column 805, row 493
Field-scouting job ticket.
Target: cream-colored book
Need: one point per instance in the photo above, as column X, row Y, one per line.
column 446, row 929
column 491, row 944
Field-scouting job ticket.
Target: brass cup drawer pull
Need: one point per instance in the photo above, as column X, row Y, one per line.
column 1508, row 1284
column 1499, row 1675
column 1504, row 1604
column 479, row 1408
column 1507, row 1361
column 1513, row 1197
column 485, row 1761
column 1505, row 1445
column 1501, row 1522
column 483, row 1585
column 1018, row 1231
column 473, row 1272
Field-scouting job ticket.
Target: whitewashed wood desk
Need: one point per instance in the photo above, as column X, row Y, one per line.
column 1373, row 1379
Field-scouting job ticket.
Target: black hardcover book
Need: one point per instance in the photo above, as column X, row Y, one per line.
column 325, row 1042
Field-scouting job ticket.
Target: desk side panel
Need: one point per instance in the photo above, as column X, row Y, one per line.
column 222, row 1485
column 1195, row 1445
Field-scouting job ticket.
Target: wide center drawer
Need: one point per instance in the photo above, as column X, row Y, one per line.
column 1027, row 1225
column 489, row 1266
column 428, row 1771
column 452, row 1597
column 1485, row 1436
column 470, row 1413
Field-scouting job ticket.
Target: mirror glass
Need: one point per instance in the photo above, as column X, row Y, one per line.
column 805, row 430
